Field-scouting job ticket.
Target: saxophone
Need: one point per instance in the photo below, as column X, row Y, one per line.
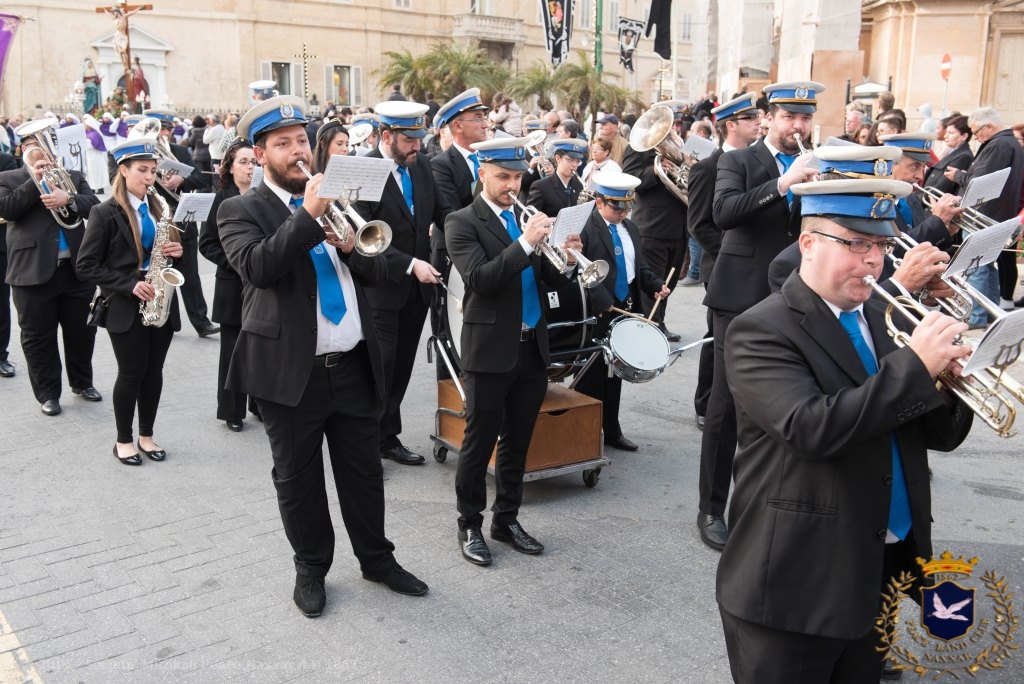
column 161, row 277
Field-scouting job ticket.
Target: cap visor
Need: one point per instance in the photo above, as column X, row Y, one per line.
column 511, row 164
column 283, row 123
column 411, row 132
column 918, row 156
column 884, row 228
column 799, row 108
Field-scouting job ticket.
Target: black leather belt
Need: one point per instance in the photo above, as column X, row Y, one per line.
column 527, row 334
column 329, row 360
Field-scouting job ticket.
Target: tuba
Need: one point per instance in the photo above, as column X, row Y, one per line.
column 654, row 131
column 150, row 128
column 56, row 176
column 161, row 277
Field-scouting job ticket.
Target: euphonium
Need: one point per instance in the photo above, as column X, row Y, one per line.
column 56, row 176
column 372, row 237
column 161, row 277
column 653, row 130
column 535, row 146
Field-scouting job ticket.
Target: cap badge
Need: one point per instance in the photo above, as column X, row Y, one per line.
column 881, row 167
column 287, row 111
column 882, row 207
column 801, row 93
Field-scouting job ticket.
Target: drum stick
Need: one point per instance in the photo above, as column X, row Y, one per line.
column 627, row 313
column 657, row 300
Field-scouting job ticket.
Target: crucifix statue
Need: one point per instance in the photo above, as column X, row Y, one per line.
column 305, row 68
column 121, row 12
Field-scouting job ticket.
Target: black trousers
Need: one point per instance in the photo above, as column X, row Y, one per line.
column 340, row 404
column 140, row 352
column 1007, row 263
column 62, row 301
column 661, row 256
column 230, row 404
column 398, row 332
column 705, row 370
column 505, row 405
column 5, row 308
column 596, row 383
column 718, row 442
column 192, row 290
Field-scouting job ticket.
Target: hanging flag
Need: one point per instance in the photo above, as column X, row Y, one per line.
column 629, row 37
column 8, row 27
column 661, row 19
column 557, row 28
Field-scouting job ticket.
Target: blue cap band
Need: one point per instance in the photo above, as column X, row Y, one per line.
column 918, row 145
column 738, row 108
column 858, row 206
column 792, row 96
column 408, row 122
column 502, row 154
column 282, row 113
column 459, row 107
column 616, row 194
column 129, row 152
column 873, row 169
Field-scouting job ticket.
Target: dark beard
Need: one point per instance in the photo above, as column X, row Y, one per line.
column 281, row 180
column 396, row 155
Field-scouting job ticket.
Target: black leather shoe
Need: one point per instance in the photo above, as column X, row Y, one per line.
column 400, row 454
column 208, row 329
column 89, row 394
column 157, row 455
column 670, row 336
column 6, row 369
column 891, row 674
column 713, row 531
column 515, row 536
column 234, row 425
column 50, row 407
column 474, row 548
column 134, row 459
column 700, row 422
column 310, row 595
column 399, row 580
column 620, row 443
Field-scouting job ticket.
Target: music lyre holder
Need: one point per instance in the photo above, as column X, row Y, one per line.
column 190, row 216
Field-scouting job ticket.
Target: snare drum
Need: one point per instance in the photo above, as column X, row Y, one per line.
column 637, row 351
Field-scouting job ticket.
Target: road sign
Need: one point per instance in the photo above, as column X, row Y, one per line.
column 946, row 66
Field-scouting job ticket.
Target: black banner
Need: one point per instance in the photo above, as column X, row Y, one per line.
column 557, row 28
column 629, row 37
column 661, row 19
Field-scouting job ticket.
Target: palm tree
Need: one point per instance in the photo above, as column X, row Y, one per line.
column 445, row 69
column 537, row 81
column 581, row 85
column 403, row 68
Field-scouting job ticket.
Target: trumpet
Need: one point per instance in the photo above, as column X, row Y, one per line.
column 800, row 144
column 372, row 237
column 593, row 272
column 970, row 220
column 55, row 176
column 983, row 393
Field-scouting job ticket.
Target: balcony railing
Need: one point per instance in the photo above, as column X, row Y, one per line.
column 490, row 28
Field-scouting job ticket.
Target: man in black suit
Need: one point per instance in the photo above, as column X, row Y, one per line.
column 613, row 238
column 562, row 189
column 308, row 353
column 7, row 163
column 504, row 345
column 409, row 205
column 933, row 224
column 192, row 290
column 752, row 209
column 737, row 123
column 41, row 272
column 832, row 496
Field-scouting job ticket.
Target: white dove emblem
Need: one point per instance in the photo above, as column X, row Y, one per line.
column 944, row 613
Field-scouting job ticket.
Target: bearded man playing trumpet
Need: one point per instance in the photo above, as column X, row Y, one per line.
column 832, row 493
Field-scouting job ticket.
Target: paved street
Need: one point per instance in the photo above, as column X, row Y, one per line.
column 180, row 571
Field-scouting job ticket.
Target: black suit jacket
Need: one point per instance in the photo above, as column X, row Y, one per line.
column 960, row 158
column 108, row 258
column 597, row 244
column 926, row 228
column 410, row 236
column 227, row 292
column 269, row 247
column 454, row 181
column 701, row 191
column 33, row 234
column 658, row 212
column 490, row 264
column 550, row 195
column 999, row 152
column 756, row 224
column 810, row 507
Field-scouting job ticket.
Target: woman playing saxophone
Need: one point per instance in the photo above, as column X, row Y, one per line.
column 123, row 235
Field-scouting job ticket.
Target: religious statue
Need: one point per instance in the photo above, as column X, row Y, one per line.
column 139, row 84
column 91, row 87
column 120, row 38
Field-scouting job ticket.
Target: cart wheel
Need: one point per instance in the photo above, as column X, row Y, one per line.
column 590, row 477
column 440, row 453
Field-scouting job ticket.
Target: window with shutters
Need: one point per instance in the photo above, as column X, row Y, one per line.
column 287, row 76
column 343, row 85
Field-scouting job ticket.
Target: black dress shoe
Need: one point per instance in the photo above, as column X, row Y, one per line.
column 6, row 369
column 713, row 531
column 515, row 536
column 474, row 548
column 700, row 423
column 89, row 394
column 157, row 455
column 234, row 425
column 670, row 336
column 208, row 329
column 134, row 459
column 400, row 454
column 399, row 580
column 50, row 407
column 620, row 443
column 310, row 595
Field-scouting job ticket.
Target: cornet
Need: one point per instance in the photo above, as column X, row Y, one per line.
column 970, row 219
column 593, row 272
column 800, row 144
column 372, row 237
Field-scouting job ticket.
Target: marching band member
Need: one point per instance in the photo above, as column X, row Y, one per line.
column 308, row 352
column 369, row 143
column 540, row 165
column 8, row 162
column 504, row 345
column 561, row 189
column 409, row 205
column 752, row 209
column 115, row 254
column 610, row 236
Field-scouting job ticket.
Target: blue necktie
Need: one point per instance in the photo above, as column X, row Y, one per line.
column 406, row 187
column 148, row 233
column 332, row 300
column 531, row 301
column 476, row 166
column 899, row 504
column 621, row 284
column 787, row 161
column 62, row 242
column 904, row 208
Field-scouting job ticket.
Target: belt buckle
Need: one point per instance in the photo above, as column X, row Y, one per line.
column 331, row 359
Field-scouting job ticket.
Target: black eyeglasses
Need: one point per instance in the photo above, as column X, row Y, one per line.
column 861, row 245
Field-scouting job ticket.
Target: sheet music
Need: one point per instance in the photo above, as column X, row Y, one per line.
column 355, row 178
column 571, row 220
column 194, row 206
column 257, row 177
column 832, row 140
column 985, row 188
column 183, row 170
column 981, row 247
column 1001, row 344
column 71, row 145
column 698, row 147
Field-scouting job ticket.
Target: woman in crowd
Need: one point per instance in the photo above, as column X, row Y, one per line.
column 331, row 138
column 600, row 160
column 234, row 177
column 958, row 155
column 116, row 251
column 506, row 115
